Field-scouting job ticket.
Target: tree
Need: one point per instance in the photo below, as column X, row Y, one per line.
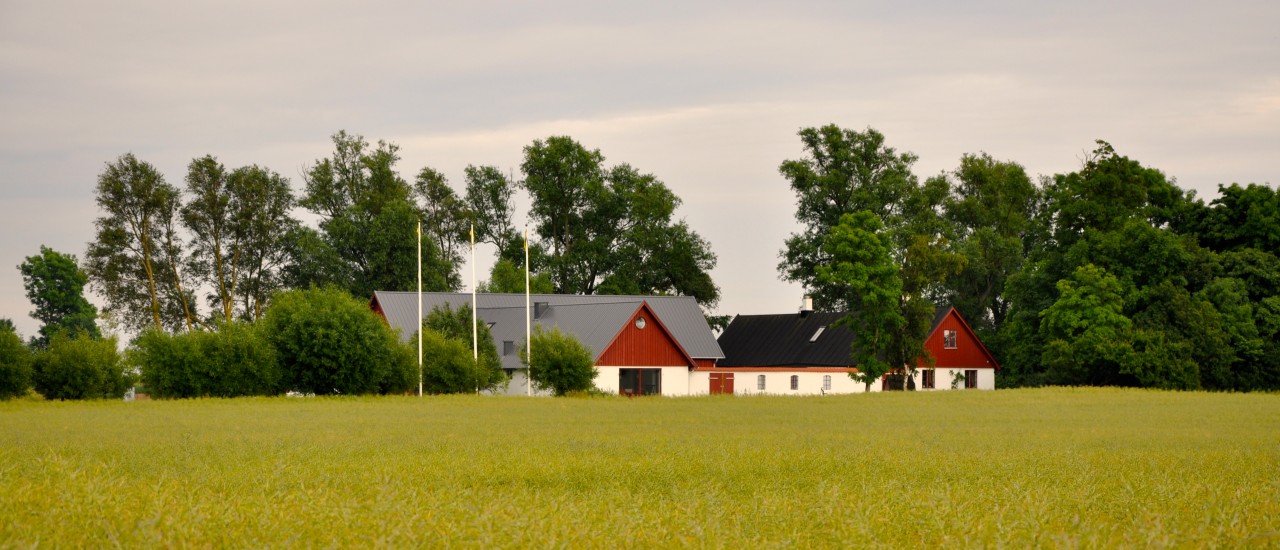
column 489, row 197
column 507, row 277
column 455, row 325
column 1087, row 332
column 860, row 265
column 611, row 230
column 80, row 368
column 444, row 216
column 329, row 342
column 845, row 171
column 55, row 285
column 127, row 262
column 992, row 205
column 562, row 364
column 368, row 224
column 239, row 223
column 15, row 364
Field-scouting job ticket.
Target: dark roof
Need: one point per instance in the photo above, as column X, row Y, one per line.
column 595, row 320
column 784, row 340
column 788, row 340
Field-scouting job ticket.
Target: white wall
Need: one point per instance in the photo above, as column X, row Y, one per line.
column 675, row 380
column 943, row 378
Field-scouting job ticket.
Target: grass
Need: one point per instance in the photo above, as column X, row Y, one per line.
column 1047, row 467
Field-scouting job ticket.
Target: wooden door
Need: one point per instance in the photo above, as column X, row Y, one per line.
column 721, row 382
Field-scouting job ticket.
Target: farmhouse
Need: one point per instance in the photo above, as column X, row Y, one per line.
column 642, row 344
column 808, row 353
column 662, row 345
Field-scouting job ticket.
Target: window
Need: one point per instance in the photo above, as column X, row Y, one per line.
column 970, row 379
column 826, row 382
column 760, row 382
column 508, row 347
column 816, row 334
column 640, row 381
column 795, row 382
column 949, row 339
column 926, row 379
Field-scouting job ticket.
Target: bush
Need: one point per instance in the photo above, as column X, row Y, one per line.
column 328, row 342
column 80, row 368
column 448, row 367
column 561, row 363
column 233, row 361
column 15, row 365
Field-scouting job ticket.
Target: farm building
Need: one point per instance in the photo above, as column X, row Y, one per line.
column 807, row 353
column 662, row 345
column 642, row 344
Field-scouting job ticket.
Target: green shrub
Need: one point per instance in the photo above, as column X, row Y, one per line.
column 235, row 360
column 328, row 342
column 560, row 363
column 80, row 368
column 448, row 363
column 15, row 365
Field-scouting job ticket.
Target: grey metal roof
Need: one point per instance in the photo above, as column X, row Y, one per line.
column 594, row 320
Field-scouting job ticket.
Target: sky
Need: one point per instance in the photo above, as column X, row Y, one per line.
column 707, row 96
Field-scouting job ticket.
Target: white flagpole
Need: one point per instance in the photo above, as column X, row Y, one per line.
column 475, row 338
column 528, row 322
column 420, row 374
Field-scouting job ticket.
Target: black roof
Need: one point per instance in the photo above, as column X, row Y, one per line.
column 787, row 340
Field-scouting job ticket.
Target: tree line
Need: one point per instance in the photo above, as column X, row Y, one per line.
column 1108, row 275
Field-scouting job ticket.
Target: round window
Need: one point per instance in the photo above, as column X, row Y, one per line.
column 640, row 322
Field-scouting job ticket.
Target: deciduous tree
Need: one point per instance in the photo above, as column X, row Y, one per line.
column 55, row 285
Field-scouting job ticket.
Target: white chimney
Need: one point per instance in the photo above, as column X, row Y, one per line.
column 806, row 306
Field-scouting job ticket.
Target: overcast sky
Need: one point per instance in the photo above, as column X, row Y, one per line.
column 707, row 96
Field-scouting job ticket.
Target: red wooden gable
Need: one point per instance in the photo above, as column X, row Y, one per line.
column 968, row 351
column 651, row 346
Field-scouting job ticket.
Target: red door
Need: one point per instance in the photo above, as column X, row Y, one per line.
column 721, row 382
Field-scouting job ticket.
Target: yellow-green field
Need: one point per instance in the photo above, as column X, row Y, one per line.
column 1053, row 467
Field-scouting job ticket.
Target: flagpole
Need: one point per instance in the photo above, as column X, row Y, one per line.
column 420, row 375
column 528, row 322
column 475, row 337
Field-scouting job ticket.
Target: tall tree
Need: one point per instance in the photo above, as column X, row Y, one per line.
column 126, row 261
column 207, row 215
column 367, row 223
column 860, row 265
column 55, row 285
column 992, row 205
column 444, row 215
column 489, row 197
column 611, row 230
column 261, row 201
column 844, row 171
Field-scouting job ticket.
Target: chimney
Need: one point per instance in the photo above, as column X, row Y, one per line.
column 806, row 306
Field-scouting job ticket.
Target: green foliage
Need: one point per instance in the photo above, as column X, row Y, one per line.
column 130, row 262
column 15, row 365
column 507, row 277
column 860, row 264
column 328, row 342
column 844, row 171
column 610, row 230
column 447, row 354
column 235, row 360
column 1094, row 468
column 80, row 368
column 55, row 286
column 489, row 198
column 560, row 362
column 368, row 236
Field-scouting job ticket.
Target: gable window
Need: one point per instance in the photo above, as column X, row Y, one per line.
column 760, row 382
column 949, row 339
column 795, row 382
column 971, row 379
column 826, row 382
column 926, row 379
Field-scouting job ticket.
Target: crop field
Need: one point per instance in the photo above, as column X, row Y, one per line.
column 1046, row 467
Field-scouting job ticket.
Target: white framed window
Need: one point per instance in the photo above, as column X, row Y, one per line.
column 826, row 382
column 795, row 381
column 949, row 339
column 760, row 382
column 970, row 379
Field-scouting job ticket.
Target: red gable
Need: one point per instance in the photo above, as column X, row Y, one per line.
column 954, row 345
column 644, row 342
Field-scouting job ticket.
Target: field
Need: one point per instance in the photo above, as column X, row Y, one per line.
column 1052, row 467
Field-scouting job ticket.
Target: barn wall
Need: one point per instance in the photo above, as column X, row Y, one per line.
column 968, row 351
column 650, row 346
